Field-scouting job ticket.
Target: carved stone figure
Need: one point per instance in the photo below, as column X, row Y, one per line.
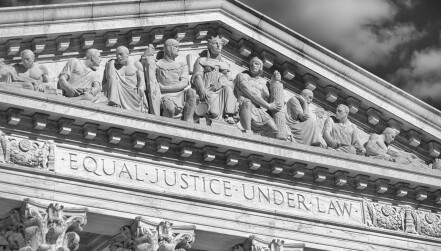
column 341, row 134
column 254, row 100
column 177, row 98
column 377, row 147
column 35, row 227
column 213, row 84
column 140, row 237
column 79, row 79
column 27, row 75
column 304, row 129
column 124, row 83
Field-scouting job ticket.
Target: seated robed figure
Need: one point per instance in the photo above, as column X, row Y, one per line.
column 304, row 129
column 123, row 82
column 79, row 79
column 211, row 79
column 254, row 100
column 341, row 134
column 377, row 147
column 26, row 75
column 178, row 100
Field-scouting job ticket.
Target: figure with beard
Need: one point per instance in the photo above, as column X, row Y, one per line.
column 341, row 135
column 178, row 100
column 304, row 129
column 212, row 82
column 79, row 79
column 254, row 100
column 124, row 83
column 27, row 75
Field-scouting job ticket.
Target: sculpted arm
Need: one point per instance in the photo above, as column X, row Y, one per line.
column 45, row 74
column 197, row 80
column 140, row 76
column 327, row 133
column 64, row 85
column 356, row 141
column 242, row 84
column 183, row 82
column 374, row 140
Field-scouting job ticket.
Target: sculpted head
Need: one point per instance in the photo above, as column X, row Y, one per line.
column 308, row 95
column 342, row 112
column 215, row 45
column 389, row 135
column 256, row 66
column 27, row 58
column 122, row 55
column 171, row 48
column 93, row 56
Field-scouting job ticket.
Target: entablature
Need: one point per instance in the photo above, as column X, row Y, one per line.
column 76, row 124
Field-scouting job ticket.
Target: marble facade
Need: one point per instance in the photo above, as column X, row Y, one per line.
column 83, row 176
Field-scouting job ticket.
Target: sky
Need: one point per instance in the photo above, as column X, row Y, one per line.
column 397, row 40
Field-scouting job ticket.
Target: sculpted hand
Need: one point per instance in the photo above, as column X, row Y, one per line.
column 276, row 77
column 203, row 95
column 275, row 106
column 40, row 87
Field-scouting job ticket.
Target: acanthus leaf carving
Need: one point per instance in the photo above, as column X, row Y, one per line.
column 254, row 243
column 35, row 227
column 142, row 235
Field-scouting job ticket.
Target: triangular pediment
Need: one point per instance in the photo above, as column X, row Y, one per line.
column 85, row 141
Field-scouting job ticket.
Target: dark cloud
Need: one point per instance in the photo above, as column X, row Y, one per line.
column 398, row 40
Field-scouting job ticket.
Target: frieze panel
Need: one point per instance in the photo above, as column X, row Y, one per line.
column 25, row 152
column 38, row 227
column 177, row 180
column 404, row 219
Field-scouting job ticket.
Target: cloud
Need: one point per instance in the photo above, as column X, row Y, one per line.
column 422, row 76
column 364, row 32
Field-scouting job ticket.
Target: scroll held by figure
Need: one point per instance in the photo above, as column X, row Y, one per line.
column 79, row 79
column 124, row 83
column 254, row 100
column 26, row 75
column 341, row 134
column 178, row 100
column 304, row 129
column 212, row 81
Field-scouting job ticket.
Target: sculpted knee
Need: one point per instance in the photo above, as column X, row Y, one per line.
column 190, row 95
column 246, row 105
column 168, row 107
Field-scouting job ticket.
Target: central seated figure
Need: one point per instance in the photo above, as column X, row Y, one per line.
column 212, row 82
column 124, row 83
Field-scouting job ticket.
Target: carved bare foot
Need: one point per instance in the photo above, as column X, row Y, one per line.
column 230, row 120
